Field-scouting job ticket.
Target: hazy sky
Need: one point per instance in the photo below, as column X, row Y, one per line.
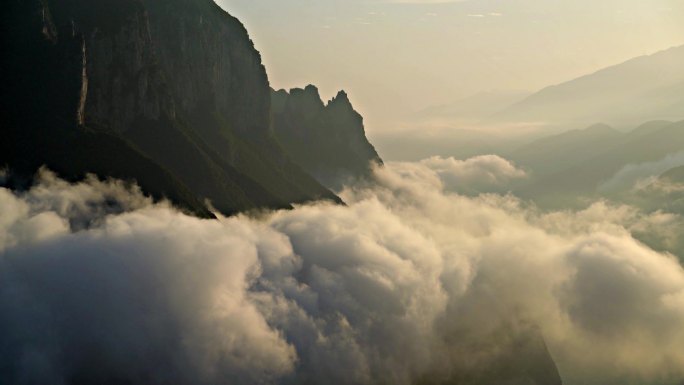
column 403, row 55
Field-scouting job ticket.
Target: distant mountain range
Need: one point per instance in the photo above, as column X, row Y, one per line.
column 674, row 175
column 557, row 152
column 642, row 89
column 575, row 164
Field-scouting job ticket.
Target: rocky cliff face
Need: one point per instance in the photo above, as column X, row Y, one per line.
column 156, row 58
column 125, row 81
column 44, row 93
column 38, row 56
column 328, row 140
column 212, row 61
column 181, row 81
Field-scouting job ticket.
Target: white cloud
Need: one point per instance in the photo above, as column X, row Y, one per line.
column 481, row 174
column 394, row 287
column 641, row 174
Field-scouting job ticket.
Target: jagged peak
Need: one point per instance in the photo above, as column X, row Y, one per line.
column 309, row 92
column 342, row 94
column 311, row 88
column 308, row 96
column 341, row 99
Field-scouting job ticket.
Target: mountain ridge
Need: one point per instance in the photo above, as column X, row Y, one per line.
column 649, row 142
column 124, row 89
column 620, row 94
column 328, row 139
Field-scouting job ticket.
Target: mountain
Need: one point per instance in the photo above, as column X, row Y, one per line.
column 674, row 175
column 42, row 97
column 648, row 128
column 665, row 193
column 651, row 142
column 641, row 89
column 327, row 140
column 177, row 83
column 557, row 152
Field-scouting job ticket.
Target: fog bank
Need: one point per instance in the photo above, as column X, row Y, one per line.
column 409, row 282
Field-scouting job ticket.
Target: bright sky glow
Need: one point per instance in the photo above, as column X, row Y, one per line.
column 403, row 55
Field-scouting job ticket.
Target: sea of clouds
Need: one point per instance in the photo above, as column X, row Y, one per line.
column 410, row 282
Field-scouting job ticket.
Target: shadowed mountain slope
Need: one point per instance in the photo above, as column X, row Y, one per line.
column 327, row 140
column 178, row 81
column 648, row 143
column 43, row 95
column 555, row 153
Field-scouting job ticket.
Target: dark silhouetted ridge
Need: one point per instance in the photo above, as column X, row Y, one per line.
column 327, row 140
column 171, row 94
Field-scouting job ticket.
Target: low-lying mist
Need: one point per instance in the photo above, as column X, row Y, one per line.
column 417, row 280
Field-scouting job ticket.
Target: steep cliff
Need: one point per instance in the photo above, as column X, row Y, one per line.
column 221, row 90
column 43, row 71
column 327, row 140
column 181, row 81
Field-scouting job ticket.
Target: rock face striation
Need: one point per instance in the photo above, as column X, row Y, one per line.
column 44, row 108
column 327, row 140
column 178, row 82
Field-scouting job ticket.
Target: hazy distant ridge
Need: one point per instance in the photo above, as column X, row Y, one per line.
column 644, row 88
